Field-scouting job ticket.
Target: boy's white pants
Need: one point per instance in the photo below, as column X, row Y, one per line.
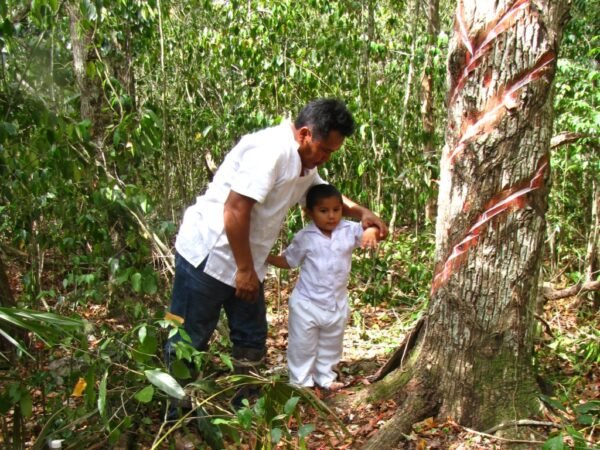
column 315, row 342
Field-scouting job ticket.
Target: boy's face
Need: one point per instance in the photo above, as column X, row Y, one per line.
column 326, row 214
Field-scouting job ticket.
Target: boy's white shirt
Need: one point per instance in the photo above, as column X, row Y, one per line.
column 326, row 262
column 264, row 166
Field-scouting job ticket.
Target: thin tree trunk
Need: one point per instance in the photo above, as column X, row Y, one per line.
column 592, row 257
column 427, row 96
column 90, row 90
column 415, row 12
column 79, row 44
column 472, row 358
column 6, row 296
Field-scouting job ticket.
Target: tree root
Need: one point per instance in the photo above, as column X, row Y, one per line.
column 419, row 404
column 399, row 355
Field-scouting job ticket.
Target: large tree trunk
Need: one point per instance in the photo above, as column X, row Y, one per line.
column 472, row 358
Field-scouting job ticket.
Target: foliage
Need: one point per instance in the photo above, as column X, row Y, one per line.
column 90, row 205
column 49, row 328
column 397, row 273
column 576, row 165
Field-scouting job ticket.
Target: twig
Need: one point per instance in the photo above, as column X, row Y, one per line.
column 515, row 441
column 546, row 325
column 522, row 422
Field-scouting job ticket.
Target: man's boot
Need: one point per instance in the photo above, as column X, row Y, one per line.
column 247, row 361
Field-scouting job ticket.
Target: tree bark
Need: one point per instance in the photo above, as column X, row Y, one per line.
column 473, row 354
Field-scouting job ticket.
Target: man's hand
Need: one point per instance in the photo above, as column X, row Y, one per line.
column 368, row 219
column 247, row 285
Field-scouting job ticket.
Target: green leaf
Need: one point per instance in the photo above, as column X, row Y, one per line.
column 244, row 416
column 145, row 395
column 290, row 405
column 554, row 403
column 142, row 332
column 305, row 430
column 88, row 10
column 149, row 285
column 5, row 403
column 150, row 345
column 136, row 282
column 180, row 370
column 102, row 395
column 555, row 443
column 593, row 405
column 165, row 383
column 361, row 169
column 16, row 343
column 276, row 435
column 26, row 404
column 586, row 419
column 226, row 360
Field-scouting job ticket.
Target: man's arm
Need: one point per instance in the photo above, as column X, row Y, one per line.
column 366, row 217
column 236, row 216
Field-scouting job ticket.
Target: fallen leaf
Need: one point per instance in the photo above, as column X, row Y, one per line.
column 79, row 388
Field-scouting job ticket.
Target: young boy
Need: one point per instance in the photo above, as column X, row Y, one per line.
column 318, row 306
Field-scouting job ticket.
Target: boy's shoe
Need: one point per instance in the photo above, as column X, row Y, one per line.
column 335, row 386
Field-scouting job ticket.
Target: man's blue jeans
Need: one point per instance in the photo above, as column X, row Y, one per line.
column 198, row 298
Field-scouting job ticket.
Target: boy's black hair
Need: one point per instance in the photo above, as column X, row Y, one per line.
column 325, row 115
column 319, row 192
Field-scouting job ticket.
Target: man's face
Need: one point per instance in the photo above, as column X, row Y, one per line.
column 314, row 152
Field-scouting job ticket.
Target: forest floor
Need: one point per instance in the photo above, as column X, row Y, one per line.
column 372, row 335
column 374, row 332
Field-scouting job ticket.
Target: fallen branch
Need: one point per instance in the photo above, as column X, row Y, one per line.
column 521, row 423
column 512, row 441
column 14, row 252
column 577, row 289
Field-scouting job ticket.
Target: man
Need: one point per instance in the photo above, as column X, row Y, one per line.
column 226, row 236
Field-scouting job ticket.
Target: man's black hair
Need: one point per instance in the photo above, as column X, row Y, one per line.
column 319, row 192
column 325, row 115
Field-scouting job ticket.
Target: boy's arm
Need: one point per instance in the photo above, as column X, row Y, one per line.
column 370, row 237
column 278, row 261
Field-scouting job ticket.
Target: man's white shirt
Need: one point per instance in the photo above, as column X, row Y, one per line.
column 264, row 166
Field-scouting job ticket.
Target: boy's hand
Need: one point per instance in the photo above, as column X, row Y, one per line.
column 370, row 237
column 278, row 261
